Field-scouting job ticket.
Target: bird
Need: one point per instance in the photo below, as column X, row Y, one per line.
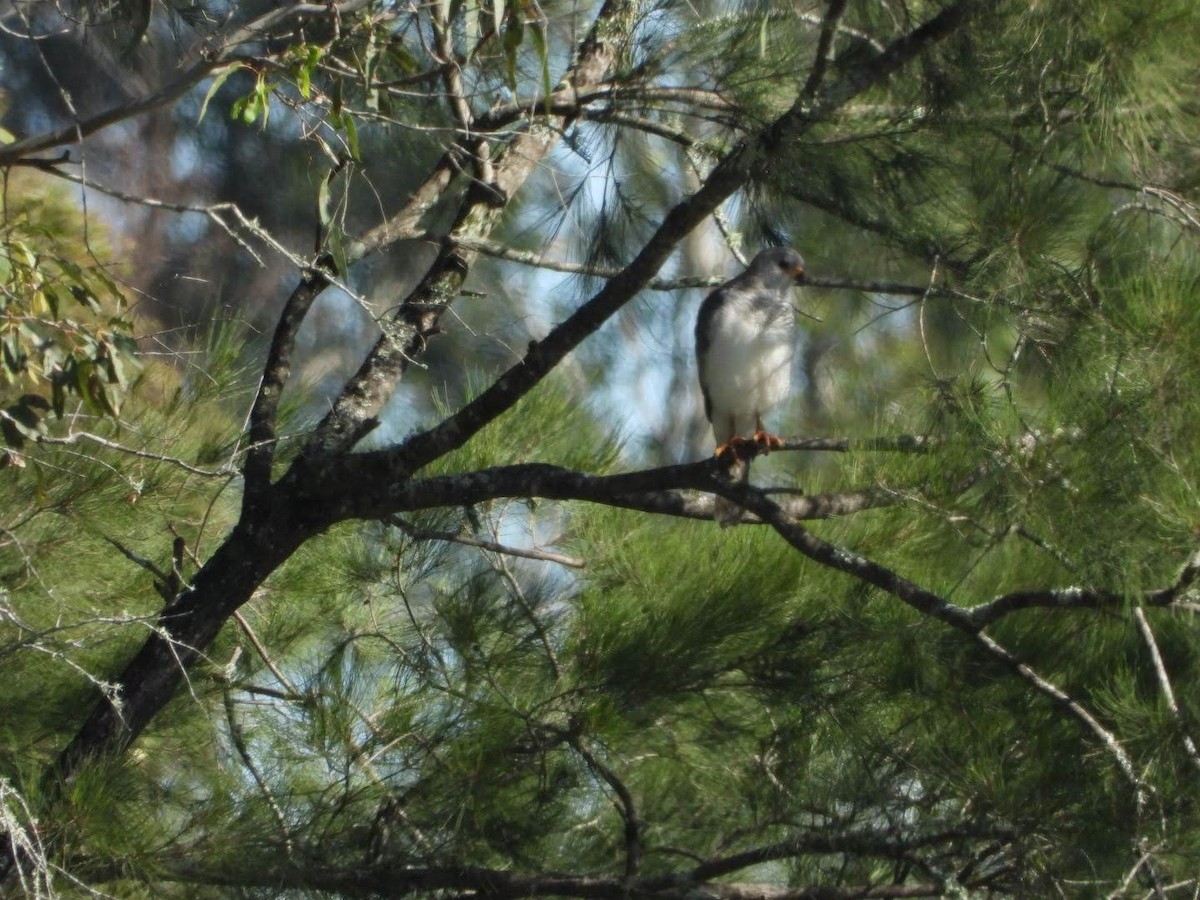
column 745, row 342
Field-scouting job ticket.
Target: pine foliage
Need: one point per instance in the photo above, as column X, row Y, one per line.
column 977, row 682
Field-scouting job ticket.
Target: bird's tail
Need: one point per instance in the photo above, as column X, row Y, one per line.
column 725, row 511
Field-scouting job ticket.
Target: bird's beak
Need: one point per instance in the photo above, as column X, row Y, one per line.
column 797, row 274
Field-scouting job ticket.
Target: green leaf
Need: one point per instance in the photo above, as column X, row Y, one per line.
column 70, row 269
column 12, row 434
column 324, row 204
column 513, row 36
column 251, row 110
column 85, row 297
column 121, row 366
column 113, row 289
column 370, row 62
column 538, row 32
column 58, row 395
column 336, row 101
column 53, row 359
column 34, row 401
column 82, row 371
column 220, row 77
column 262, row 92
column 351, row 137
column 25, row 415
column 402, row 59
column 14, row 353
column 498, row 15
column 52, row 300
column 308, row 56
column 472, row 28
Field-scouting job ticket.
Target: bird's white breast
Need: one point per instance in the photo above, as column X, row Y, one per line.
column 747, row 370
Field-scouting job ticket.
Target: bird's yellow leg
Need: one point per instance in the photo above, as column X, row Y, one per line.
column 735, row 447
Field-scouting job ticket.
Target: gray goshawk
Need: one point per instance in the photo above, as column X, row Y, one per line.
column 745, row 341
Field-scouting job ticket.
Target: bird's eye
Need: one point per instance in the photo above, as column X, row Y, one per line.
column 783, row 264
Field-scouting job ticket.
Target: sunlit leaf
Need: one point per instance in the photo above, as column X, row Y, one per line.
column 498, row 15
column 351, row 137
column 219, row 78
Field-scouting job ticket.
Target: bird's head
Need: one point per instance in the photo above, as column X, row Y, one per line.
column 779, row 267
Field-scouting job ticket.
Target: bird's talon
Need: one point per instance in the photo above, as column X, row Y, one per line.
column 737, row 449
column 726, row 454
column 765, row 442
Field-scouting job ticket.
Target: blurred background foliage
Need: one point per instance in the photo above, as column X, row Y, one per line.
column 1002, row 241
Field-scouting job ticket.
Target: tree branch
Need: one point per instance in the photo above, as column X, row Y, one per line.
column 416, row 320
column 76, row 436
column 238, row 739
column 354, row 490
column 1084, row 598
column 748, row 160
column 633, row 828
column 1164, row 681
column 497, row 250
column 261, row 453
column 829, row 27
column 934, row 606
column 220, row 54
column 424, row 534
column 388, row 879
column 859, row 843
column 308, row 499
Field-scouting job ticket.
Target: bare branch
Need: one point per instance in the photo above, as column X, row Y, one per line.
column 1066, row 598
column 395, row 880
column 574, row 100
column 424, row 534
column 498, row 250
column 829, row 26
column 1077, row 710
column 633, row 840
column 416, row 320
column 1164, row 681
column 238, row 739
column 859, row 843
column 748, row 160
column 261, row 650
column 76, row 436
column 649, row 490
column 146, row 564
column 934, row 606
column 278, row 367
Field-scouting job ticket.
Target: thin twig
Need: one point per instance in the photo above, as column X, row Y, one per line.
column 1164, row 681
column 936, row 607
column 424, row 534
column 239, row 744
column 261, row 650
column 633, row 843
column 518, row 594
column 498, row 250
column 829, row 27
column 76, row 436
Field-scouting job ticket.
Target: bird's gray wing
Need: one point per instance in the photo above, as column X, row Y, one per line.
column 704, row 320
